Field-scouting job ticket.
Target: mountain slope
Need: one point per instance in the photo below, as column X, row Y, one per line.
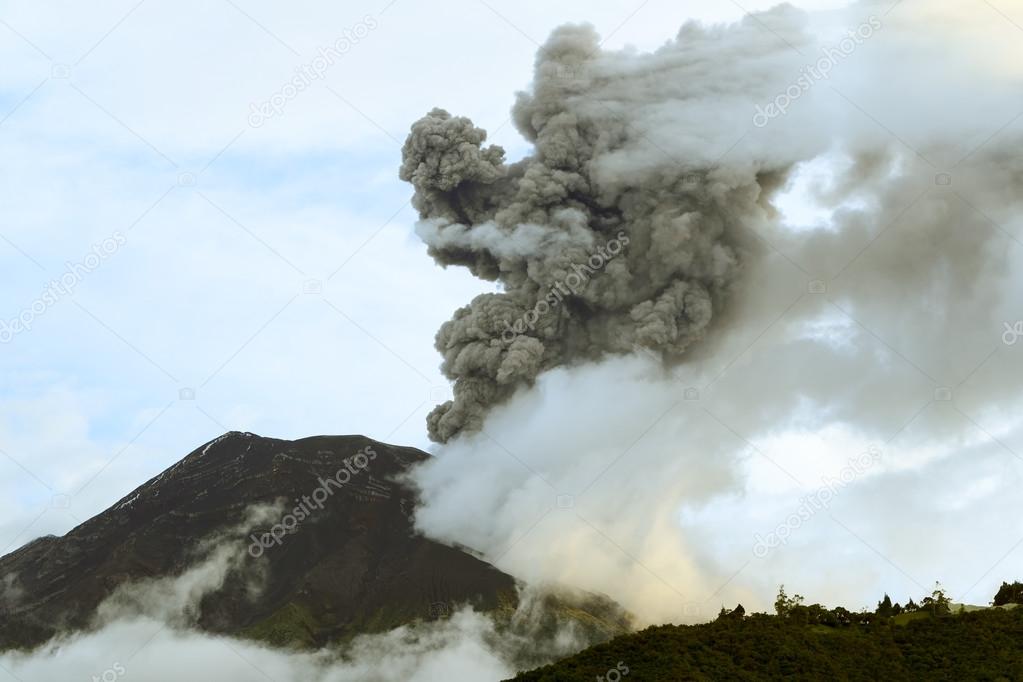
column 352, row 564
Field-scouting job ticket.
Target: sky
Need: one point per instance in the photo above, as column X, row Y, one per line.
column 241, row 268
column 269, row 266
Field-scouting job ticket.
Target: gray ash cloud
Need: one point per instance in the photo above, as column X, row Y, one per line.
column 677, row 223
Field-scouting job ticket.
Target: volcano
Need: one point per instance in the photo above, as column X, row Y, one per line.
column 350, row 561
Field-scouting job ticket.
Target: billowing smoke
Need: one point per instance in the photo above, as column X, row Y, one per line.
column 828, row 204
column 594, row 257
column 648, row 193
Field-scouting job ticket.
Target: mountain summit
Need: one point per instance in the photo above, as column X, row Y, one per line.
column 334, row 555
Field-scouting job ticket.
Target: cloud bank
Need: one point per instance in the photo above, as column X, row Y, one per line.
column 148, row 630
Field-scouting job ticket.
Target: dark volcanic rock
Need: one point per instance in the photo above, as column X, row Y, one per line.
column 353, row 566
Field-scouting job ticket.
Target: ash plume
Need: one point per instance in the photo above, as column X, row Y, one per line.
column 595, row 256
column 860, row 321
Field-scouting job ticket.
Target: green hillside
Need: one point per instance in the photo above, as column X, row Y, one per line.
column 932, row 642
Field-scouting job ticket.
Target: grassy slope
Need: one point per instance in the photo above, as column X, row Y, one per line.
column 981, row 645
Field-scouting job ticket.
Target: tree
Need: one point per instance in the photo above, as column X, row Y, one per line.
column 1009, row 594
column 784, row 604
column 842, row 615
column 781, row 603
column 735, row 614
column 938, row 602
column 885, row 608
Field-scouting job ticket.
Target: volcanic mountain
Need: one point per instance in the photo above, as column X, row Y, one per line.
column 352, row 563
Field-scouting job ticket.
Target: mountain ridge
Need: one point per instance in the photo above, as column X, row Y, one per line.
column 336, row 554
